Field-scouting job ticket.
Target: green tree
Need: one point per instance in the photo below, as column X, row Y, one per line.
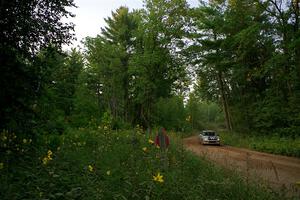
column 245, row 55
column 57, row 88
column 211, row 58
column 26, row 27
column 134, row 61
column 67, row 80
column 156, row 68
column 108, row 56
column 170, row 113
column 86, row 101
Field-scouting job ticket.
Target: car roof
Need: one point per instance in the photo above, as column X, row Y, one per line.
column 207, row 131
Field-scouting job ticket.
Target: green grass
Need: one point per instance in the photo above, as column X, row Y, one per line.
column 119, row 169
column 270, row 144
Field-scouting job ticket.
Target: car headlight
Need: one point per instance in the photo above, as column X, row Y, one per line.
column 205, row 139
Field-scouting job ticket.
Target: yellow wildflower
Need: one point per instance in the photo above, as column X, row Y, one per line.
column 151, row 141
column 108, row 172
column 45, row 160
column 1, row 165
column 145, row 149
column 47, row 157
column 91, row 168
column 158, row 178
column 24, row 141
column 49, row 153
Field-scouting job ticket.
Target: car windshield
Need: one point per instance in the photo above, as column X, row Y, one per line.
column 210, row 133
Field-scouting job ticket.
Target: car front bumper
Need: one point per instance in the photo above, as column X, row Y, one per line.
column 211, row 142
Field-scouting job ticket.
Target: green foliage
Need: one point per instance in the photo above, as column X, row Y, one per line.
column 38, row 24
column 18, row 82
column 95, row 164
column 203, row 115
column 134, row 63
column 26, row 28
column 170, row 113
column 108, row 55
column 275, row 144
column 86, row 103
column 246, row 61
column 106, row 120
column 57, row 89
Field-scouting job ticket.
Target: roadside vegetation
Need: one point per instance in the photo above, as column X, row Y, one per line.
column 270, row 144
column 98, row 163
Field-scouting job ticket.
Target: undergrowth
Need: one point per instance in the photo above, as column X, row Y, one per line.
column 104, row 164
column 271, row 144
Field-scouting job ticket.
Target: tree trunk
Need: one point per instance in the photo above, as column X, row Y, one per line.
column 224, row 101
column 297, row 34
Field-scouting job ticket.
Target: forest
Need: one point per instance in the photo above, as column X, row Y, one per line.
column 225, row 64
column 241, row 58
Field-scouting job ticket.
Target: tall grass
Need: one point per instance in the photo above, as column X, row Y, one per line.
column 271, row 144
column 104, row 164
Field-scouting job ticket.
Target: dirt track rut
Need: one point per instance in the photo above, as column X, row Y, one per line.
column 277, row 171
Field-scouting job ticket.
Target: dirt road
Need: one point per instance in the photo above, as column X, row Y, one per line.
column 278, row 171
